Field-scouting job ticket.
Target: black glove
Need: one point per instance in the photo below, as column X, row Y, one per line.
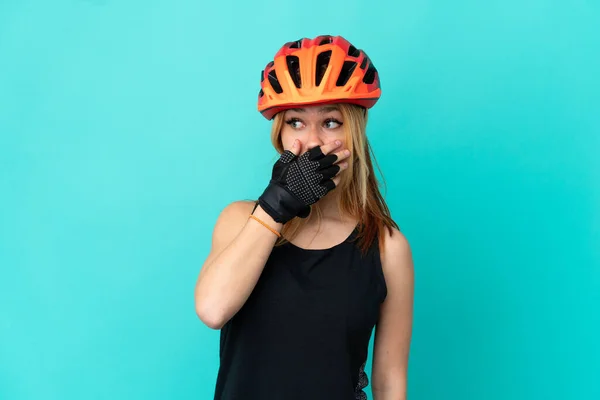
column 298, row 182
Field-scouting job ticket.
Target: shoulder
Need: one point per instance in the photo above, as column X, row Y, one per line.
column 394, row 243
column 395, row 253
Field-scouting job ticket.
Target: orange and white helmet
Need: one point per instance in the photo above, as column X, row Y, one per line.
column 323, row 70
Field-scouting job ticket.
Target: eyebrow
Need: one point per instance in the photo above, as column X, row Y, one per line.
column 322, row 110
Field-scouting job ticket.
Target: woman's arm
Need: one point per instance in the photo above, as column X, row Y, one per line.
column 241, row 246
column 240, row 249
column 394, row 329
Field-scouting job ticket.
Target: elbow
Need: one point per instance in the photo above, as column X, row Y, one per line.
column 212, row 323
column 392, row 384
column 211, row 316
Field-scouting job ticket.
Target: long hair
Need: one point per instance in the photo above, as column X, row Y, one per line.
column 360, row 195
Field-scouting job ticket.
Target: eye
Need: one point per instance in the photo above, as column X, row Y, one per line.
column 294, row 123
column 332, row 123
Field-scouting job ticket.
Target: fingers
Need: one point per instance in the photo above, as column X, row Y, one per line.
column 328, row 160
column 335, row 158
column 333, row 172
column 289, row 155
column 330, row 172
column 296, row 147
column 329, row 147
column 337, row 164
column 330, row 184
column 342, row 155
column 325, row 153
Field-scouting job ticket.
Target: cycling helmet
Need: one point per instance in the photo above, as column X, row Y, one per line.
column 323, row 70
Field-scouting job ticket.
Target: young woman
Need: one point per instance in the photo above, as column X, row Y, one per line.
column 297, row 280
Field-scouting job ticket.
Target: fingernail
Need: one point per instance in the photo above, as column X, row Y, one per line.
column 295, row 143
column 347, row 152
column 338, row 142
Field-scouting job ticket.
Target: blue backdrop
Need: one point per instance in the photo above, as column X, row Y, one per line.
column 126, row 126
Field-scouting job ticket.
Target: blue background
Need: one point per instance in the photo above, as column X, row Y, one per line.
column 126, row 126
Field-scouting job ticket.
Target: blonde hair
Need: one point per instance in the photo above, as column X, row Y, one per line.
column 360, row 196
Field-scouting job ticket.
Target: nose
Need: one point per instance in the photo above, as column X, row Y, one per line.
column 313, row 139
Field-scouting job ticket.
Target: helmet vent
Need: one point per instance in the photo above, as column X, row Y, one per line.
column 275, row 82
column 353, row 51
column 322, row 64
column 345, row 73
column 261, row 93
column 262, row 75
column 364, row 62
column 296, row 45
column 293, row 64
column 326, row 40
column 370, row 75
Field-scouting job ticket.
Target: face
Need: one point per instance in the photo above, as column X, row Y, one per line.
column 312, row 126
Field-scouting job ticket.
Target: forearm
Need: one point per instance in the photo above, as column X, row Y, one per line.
column 397, row 392
column 225, row 283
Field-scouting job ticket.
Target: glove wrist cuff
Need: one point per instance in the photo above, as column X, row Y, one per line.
column 280, row 204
